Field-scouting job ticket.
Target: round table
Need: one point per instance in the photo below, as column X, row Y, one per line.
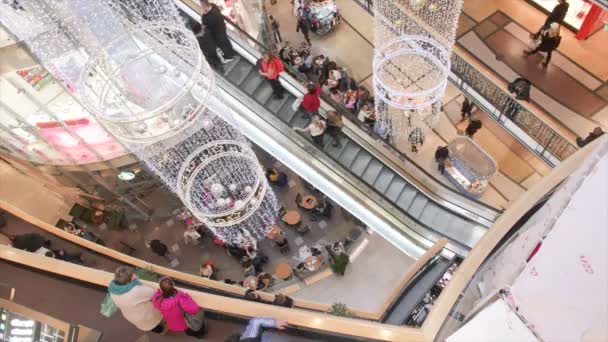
column 309, row 202
column 275, row 233
column 283, row 270
column 313, row 263
column 292, row 217
column 251, row 282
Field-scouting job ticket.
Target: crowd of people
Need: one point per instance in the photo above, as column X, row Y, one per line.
column 170, row 309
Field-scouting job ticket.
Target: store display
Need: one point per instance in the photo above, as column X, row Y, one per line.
column 469, row 167
column 324, row 15
column 37, row 77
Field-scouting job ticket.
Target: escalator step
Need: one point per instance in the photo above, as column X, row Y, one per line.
column 348, row 155
column 429, row 212
column 418, row 205
column 263, row 93
column 252, row 82
column 361, row 163
column 384, row 179
column 395, row 188
column 286, row 112
column 240, row 72
column 275, row 105
column 372, row 171
column 299, row 120
column 334, row 151
column 405, row 199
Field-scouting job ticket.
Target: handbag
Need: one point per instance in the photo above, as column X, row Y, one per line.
column 296, row 104
column 108, row 307
column 195, row 322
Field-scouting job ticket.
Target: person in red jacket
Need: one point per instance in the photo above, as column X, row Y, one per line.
column 270, row 66
column 311, row 102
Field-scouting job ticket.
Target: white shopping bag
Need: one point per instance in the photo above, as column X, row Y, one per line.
column 296, row 104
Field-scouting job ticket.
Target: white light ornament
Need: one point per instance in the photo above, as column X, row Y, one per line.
column 413, row 41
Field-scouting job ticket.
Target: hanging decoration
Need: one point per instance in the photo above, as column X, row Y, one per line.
column 138, row 69
column 413, row 41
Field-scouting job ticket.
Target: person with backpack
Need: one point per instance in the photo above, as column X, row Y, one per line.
column 178, row 309
column 549, row 42
column 270, row 66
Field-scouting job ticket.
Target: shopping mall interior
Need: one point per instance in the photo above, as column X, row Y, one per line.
column 303, row 170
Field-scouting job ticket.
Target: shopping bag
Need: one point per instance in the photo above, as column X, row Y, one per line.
column 195, row 322
column 533, row 43
column 296, row 104
column 108, row 307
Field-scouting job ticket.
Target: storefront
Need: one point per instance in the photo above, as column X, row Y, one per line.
column 245, row 14
column 584, row 17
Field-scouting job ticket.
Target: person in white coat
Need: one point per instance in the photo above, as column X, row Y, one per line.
column 135, row 301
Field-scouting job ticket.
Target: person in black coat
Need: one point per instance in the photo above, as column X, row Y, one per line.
column 596, row 133
column 467, row 108
column 30, row 242
column 521, row 88
column 550, row 41
column 556, row 16
column 213, row 20
column 473, row 127
column 207, row 45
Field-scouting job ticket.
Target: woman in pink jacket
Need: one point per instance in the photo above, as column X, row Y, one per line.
column 172, row 304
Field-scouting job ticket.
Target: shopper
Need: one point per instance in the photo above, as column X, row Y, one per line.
column 208, row 46
column 596, row 133
column 255, row 329
column 213, row 20
column 334, row 126
column 441, row 154
column 270, row 66
column 158, row 247
column 473, row 127
column 62, row 254
column 135, row 300
column 304, row 26
column 30, row 242
column 178, row 309
column 274, row 24
column 283, row 300
column 521, row 88
column 316, row 129
column 311, row 102
column 549, row 41
column 556, row 16
column 467, row 108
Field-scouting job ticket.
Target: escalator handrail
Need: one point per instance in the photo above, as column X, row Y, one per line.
column 352, row 118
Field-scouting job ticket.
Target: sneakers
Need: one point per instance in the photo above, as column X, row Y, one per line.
column 228, row 60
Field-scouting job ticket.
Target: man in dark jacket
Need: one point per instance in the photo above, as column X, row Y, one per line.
column 521, row 88
column 304, row 26
column 213, row 20
column 30, row 242
column 596, row 133
column 208, row 46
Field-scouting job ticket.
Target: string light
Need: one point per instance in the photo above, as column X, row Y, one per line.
column 137, row 68
column 413, row 41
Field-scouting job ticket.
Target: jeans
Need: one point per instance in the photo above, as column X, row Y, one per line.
column 277, row 88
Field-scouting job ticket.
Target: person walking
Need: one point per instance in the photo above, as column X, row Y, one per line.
column 30, row 242
column 208, row 46
column 255, row 329
column 304, row 26
column 549, row 41
column 213, row 20
column 556, row 16
column 467, row 108
column 334, row 126
column 175, row 306
column 596, row 133
column 275, row 28
column 159, row 248
column 311, row 102
column 135, row 301
column 316, row 129
column 270, row 66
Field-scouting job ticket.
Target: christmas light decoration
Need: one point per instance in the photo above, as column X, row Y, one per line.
column 413, row 41
column 137, row 68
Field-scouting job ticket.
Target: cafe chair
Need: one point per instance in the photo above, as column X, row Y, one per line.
column 284, row 249
column 303, row 229
column 322, row 210
column 299, row 200
column 282, row 211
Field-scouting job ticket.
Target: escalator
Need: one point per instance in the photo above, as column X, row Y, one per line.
column 360, row 162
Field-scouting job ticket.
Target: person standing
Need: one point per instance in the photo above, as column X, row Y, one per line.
column 208, row 46
column 135, row 301
column 174, row 305
column 270, row 66
column 213, row 20
column 255, row 329
column 334, row 126
column 467, row 108
column 159, row 248
column 311, row 102
column 549, row 41
column 275, row 28
column 304, row 26
column 316, row 129
column 473, row 127
column 30, row 242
